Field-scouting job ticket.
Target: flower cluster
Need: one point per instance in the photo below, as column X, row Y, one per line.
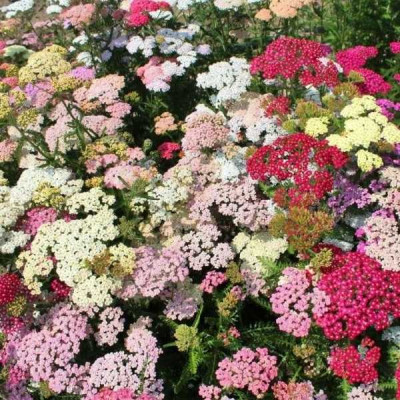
column 361, row 294
column 301, row 161
column 301, row 59
column 356, row 365
column 292, row 300
column 250, row 370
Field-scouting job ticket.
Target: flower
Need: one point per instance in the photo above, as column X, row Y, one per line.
column 354, row 365
column 229, row 79
column 248, row 369
column 289, row 58
column 362, row 295
column 167, row 150
column 395, row 47
column 264, row 15
column 78, row 15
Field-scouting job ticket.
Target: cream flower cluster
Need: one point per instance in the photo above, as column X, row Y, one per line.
column 75, row 243
column 253, row 249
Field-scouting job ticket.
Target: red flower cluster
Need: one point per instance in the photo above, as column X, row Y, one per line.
column 167, row 150
column 296, row 58
column 278, row 106
column 61, row 289
column 299, row 162
column 362, row 295
column 355, row 366
column 354, row 59
column 10, row 287
column 140, row 9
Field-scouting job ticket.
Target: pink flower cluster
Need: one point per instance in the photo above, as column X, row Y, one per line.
column 382, row 239
column 248, row 369
column 201, row 249
column 238, row 200
column 157, row 74
column 167, row 265
column 167, row 150
column 204, row 131
column 120, row 394
column 35, row 218
column 354, row 59
column 123, row 175
column 78, row 15
column 48, row 354
column 295, row 391
column 395, row 47
column 183, row 301
column 139, row 11
column 212, row 280
column 111, row 324
column 210, row 392
column 292, row 299
column 119, row 370
column 7, row 149
column 362, row 295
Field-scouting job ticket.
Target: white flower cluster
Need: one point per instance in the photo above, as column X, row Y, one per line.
column 229, row 4
column 230, row 80
column 92, row 201
column 392, row 334
column 248, row 117
column 232, row 4
column 231, row 168
column 72, row 244
column 169, row 41
column 167, row 197
column 184, row 4
column 253, row 249
column 56, row 6
column 13, row 9
column 146, row 45
column 31, row 179
column 14, row 201
column 9, row 214
column 254, row 130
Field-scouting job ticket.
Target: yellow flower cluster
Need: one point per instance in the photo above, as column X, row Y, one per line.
column 17, row 307
column 317, row 126
column 64, row 83
column 27, row 118
column 12, row 70
column 18, row 96
column 106, row 145
column 49, row 62
column 48, row 196
column 5, row 109
column 364, row 126
column 368, row 161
